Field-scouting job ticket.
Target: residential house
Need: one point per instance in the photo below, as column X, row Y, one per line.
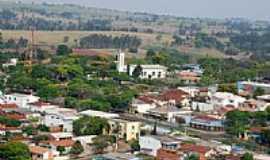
column 202, row 151
column 202, row 106
column 247, row 87
column 143, row 104
column 169, row 150
column 60, row 117
column 40, row 153
column 165, row 112
column 125, row 129
column 174, row 97
column 21, row 100
column 207, row 123
column 151, row 144
column 189, row 77
column 12, row 62
column 221, row 99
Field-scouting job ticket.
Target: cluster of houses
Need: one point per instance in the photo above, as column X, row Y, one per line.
column 195, row 107
column 31, row 111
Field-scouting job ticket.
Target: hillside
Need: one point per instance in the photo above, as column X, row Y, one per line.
column 56, row 24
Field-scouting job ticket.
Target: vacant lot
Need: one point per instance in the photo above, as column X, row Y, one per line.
column 57, row 37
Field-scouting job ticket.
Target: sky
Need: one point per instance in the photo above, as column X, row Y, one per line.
column 252, row 9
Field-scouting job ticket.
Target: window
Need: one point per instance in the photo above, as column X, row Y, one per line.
column 153, row 73
column 144, row 73
column 133, row 127
column 159, row 74
column 14, row 98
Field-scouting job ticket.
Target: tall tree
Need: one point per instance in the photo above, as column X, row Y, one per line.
column 137, row 71
column 63, row 50
column 14, row 151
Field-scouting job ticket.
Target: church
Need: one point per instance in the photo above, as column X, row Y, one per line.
column 147, row 71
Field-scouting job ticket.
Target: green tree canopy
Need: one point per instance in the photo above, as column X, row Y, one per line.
column 63, row 50
column 237, row 122
column 89, row 126
column 14, row 151
column 77, row 148
column 247, row 156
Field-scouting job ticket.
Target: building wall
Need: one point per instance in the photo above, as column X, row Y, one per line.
column 132, row 130
column 52, row 120
column 204, row 107
column 143, row 108
column 151, row 144
column 127, row 130
column 149, row 73
column 21, row 101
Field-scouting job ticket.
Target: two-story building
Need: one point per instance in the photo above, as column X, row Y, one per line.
column 21, row 100
column 60, row 117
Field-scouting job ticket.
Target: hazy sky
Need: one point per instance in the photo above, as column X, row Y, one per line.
column 254, row 9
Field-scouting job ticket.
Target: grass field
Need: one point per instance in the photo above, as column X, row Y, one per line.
column 57, row 37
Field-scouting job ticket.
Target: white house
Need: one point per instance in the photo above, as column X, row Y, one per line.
column 12, row 62
column 40, row 153
column 21, row 100
column 60, row 117
column 202, row 106
column 222, row 99
column 151, row 144
column 143, row 104
column 148, row 71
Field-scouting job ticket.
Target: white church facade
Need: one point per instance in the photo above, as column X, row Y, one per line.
column 148, row 71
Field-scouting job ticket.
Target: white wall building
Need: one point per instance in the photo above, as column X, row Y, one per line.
column 149, row 145
column 148, row 71
column 60, row 117
column 202, row 106
column 142, row 104
column 222, row 99
column 21, row 100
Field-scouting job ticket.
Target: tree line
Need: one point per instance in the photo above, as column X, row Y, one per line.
column 104, row 41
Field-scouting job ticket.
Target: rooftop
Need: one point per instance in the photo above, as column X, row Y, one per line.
column 38, row 150
column 63, row 143
column 259, row 84
column 194, row 148
column 174, row 94
column 61, row 135
column 165, row 109
column 93, row 113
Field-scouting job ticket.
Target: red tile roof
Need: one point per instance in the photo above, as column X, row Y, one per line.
column 174, row 94
column 8, row 106
column 63, row 143
column 194, row 148
column 38, row 150
column 16, row 116
column 205, row 117
column 146, row 99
